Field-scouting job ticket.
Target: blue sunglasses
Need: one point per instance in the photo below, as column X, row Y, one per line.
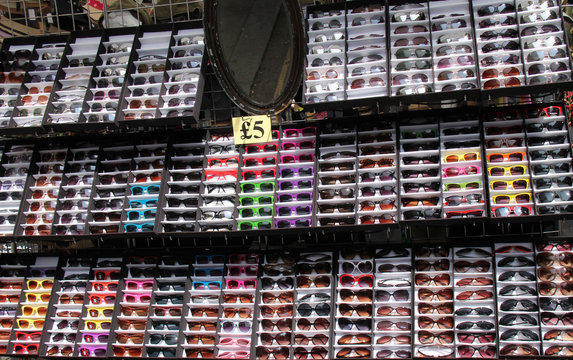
column 207, row 285
column 138, row 227
column 140, row 190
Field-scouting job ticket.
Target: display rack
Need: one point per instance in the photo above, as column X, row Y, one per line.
column 365, row 302
column 427, row 167
column 86, row 81
column 317, row 230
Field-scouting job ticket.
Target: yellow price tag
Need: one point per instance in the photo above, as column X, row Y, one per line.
column 252, row 129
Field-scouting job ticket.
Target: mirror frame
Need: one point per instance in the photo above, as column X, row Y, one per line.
column 223, row 74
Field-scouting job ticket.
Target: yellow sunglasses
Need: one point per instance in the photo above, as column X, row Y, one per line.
column 470, row 156
column 30, row 324
column 28, row 310
column 45, row 284
column 506, row 170
column 518, row 184
column 106, row 312
column 38, row 297
column 521, row 198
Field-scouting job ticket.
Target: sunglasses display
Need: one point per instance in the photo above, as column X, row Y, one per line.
column 504, row 56
column 12, row 188
column 325, row 73
column 103, row 100
column 542, row 39
column 510, row 182
column 366, row 69
column 144, row 188
column 497, row 36
column 111, row 189
column 71, row 89
column 548, row 176
column 213, row 185
column 10, row 293
column 32, row 315
column 220, row 186
column 46, row 60
column 548, row 171
column 84, row 78
column 183, row 189
column 411, row 56
column 137, row 294
column 419, row 164
column 353, row 329
column 465, row 193
column 142, row 184
column 71, row 294
column 277, row 306
column 285, row 302
column 15, row 62
column 100, row 309
column 517, row 296
column 142, row 95
column 452, row 46
column 239, row 283
column 377, row 194
column 167, row 304
column 313, row 304
column 184, row 64
column 337, row 189
column 296, row 172
column 434, row 301
column 474, row 294
column 41, row 202
column 72, row 210
column 553, row 285
column 203, row 311
column 256, row 197
column 393, row 313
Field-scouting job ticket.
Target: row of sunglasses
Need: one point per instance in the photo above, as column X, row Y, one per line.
column 449, row 282
column 440, row 164
column 358, row 73
column 361, row 299
column 349, row 51
column 543, row 165
column 85, row 76
column 38, row 280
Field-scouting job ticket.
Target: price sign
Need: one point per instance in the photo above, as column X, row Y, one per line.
column 252, row 129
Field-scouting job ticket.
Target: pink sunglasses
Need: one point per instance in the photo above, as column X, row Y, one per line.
column 139, row 298
column 244, row 284
column 135, row 285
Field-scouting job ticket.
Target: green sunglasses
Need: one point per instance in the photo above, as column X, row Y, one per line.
column 260, row 211
column 470, row 185
column 253, row 225
column 256, row 200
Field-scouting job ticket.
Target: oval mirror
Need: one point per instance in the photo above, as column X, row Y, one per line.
column 257, row 51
